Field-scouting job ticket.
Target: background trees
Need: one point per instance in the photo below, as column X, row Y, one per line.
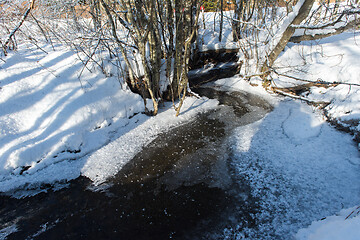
column 150, row 42
column 157, row 32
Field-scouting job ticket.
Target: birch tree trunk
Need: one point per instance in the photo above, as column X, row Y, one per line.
column 221, row 19
column 287, row 34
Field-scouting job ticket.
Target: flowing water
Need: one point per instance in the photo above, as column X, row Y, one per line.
column 180, row 186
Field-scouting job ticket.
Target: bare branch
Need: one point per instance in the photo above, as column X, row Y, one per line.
column 344, row 13
column 19, row 24
column 319, row 81
column 332, row 32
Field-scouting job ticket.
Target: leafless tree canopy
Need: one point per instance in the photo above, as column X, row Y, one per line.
column 150, row 42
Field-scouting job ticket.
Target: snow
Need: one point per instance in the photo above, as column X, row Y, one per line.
column 298, row 167
column 334, row 59
column 209, row 32
column 55, row 126
column 337, row 227
column 53, row 123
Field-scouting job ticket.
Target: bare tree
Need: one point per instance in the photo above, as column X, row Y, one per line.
column 159, row 29
column 12, row 34
column 301, row 15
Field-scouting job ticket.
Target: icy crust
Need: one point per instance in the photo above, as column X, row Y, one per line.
column 344, row 225
column 298, row 167
column 7, row 231
column 108, row 160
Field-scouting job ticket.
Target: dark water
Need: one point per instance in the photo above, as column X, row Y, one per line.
column 180, row 186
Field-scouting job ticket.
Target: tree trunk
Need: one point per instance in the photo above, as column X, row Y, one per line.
column 302, row 14
column 32, row 5
column 221, row 19
column 236, row 22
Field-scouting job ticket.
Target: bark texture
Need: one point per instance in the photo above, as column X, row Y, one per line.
column 302, row 15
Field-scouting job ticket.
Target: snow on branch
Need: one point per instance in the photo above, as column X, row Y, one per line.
column 18, row 26
column 330, row 24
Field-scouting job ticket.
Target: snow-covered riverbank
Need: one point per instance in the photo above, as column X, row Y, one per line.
column 53, row 124
column 56, row 127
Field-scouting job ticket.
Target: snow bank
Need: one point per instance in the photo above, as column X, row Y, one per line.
column 298, row 168
column 108, row 160
column 51, row 121
column 334, row 59
column 345, row 225
column 48, row 115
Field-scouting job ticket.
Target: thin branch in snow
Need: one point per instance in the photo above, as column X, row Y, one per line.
column 12, row 34
column 243, row 22
column 344, row 13
column 318, row 81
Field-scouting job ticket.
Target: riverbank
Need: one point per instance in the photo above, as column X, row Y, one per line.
column 299, row 167
column 331, row 64
column 56, row 127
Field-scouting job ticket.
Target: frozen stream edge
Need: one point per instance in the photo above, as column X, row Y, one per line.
column 300, row 168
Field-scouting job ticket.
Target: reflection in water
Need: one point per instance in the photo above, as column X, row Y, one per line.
column 179, row 186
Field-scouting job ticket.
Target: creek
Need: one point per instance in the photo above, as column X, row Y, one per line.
column 180, row 186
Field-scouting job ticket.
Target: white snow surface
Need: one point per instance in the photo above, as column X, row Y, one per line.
column 53, row 125
column 333, row 59
column 209, row 32
column 298, row 167
column 344, row 225
column 53, row 129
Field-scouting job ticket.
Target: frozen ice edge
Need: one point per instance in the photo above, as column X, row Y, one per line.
column 312, row 176
column 107, row 160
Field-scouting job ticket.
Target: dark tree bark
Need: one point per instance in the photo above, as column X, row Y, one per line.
column 26, row 14
column 221, row 19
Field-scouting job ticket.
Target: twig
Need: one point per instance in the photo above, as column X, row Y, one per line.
column 34, row 42
column 358, row 211
column 90, row 57
column 314, row 103
column 319, row 80
column 47, row 69
column 242, row 22
column 19, row 24
column 346, row 12
column 3, row 47
column 41, row 29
